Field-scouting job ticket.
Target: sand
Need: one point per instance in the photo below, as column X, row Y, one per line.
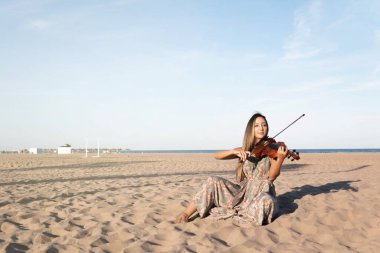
column 128, row 203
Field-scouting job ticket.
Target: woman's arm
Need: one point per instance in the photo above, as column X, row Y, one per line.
column 275, row 166
column 232, row 154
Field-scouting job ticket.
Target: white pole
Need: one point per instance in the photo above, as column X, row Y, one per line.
column 86, row 146
column 98, row 148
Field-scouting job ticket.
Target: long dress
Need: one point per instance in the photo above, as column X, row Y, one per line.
column 252, row 200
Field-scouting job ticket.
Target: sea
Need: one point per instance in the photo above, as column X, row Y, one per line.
column 210, row 151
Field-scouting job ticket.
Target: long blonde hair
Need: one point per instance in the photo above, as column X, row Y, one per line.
column 248, row 143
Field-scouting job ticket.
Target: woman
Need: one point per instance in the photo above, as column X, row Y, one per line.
column 253, row 198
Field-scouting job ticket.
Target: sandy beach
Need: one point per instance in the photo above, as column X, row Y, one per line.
column 128, row 203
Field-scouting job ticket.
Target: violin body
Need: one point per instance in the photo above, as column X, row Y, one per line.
column 270, row 148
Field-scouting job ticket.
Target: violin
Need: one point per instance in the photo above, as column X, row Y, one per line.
column 269, row 146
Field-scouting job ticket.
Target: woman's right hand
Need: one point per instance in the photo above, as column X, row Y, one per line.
column 242, row 154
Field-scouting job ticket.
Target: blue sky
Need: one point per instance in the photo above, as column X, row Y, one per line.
column 146, row 74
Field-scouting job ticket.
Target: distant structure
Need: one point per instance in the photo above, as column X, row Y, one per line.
column 86, row 148
column 87, row 151
column 35, row 151
column 64, row 149
column 98, row 150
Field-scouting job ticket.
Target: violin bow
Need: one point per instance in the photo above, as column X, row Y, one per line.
column 289, row 125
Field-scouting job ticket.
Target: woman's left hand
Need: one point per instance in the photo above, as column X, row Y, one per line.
column 282, row 152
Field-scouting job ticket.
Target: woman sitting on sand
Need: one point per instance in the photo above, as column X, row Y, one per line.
column 253, row 198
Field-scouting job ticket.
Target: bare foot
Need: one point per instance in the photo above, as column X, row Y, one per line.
column 182, row 218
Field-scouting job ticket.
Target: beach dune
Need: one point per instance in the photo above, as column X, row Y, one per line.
column 128, row 203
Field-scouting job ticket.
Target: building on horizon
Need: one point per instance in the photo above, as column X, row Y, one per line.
column 64, row 149
column 35, row 151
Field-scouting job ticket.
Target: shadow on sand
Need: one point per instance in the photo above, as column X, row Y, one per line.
column 287, row 200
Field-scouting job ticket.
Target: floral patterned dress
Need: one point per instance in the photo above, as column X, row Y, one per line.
column 252, row 200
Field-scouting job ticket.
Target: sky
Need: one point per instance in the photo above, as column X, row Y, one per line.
column 188, row 74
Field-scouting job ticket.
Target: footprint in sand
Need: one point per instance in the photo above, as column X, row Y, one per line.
column 16, row 247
